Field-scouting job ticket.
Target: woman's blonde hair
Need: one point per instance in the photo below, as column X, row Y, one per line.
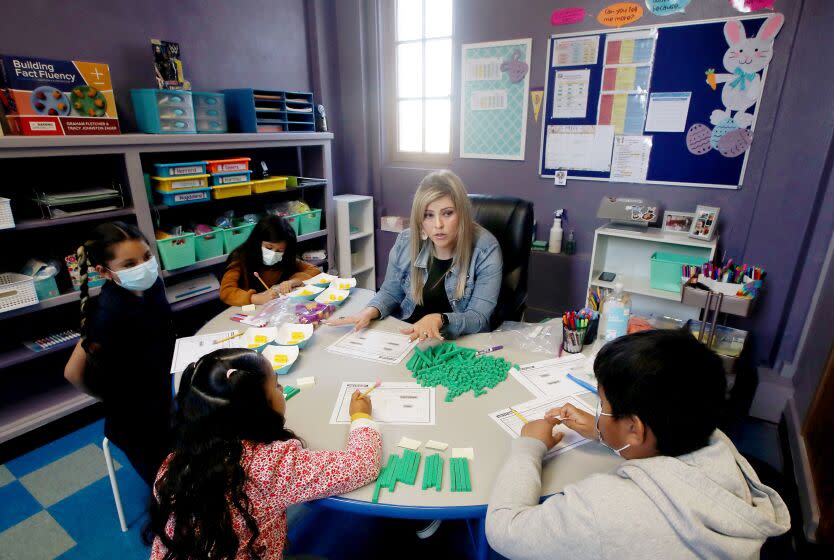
column 434, row 186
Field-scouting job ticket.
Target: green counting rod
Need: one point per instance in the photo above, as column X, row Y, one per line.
column 398, row 469
column 433, row 472
column 459, row 472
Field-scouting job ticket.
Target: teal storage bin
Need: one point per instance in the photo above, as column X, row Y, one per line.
column 235, row 236
column 310, row 222
column 209, row 245
column 46, row 288
column 666, row 270
column 163, row 111
column 177, row 251
column 295, row 222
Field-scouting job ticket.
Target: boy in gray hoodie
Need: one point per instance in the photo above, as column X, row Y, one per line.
column 684, row 491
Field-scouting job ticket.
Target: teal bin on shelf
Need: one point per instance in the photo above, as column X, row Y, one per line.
column 295, row 222
column 46, row 288
column 177, row 251
column 209, row 245
column 235, row 236
column 310, row 222
column 666, row 270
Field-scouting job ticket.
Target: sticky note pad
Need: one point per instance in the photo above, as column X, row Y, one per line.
column 439, row 445
column 466, row 452
column 409, row 443
column 296, row 335
column 248, row 308
column 305, row 381
column 280, row 359
column 263, row 339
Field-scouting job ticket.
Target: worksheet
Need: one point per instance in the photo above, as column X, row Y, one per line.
column 535, row 410
column 373, row 345
column 192, row 348
column 549, row 378
column 393, row 403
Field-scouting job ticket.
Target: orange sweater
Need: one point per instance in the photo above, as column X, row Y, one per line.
column 235, row 286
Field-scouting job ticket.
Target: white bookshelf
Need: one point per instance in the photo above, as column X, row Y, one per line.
column 627, row 253
column 355, row 238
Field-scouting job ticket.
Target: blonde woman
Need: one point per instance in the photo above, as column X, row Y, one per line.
column 444, row 273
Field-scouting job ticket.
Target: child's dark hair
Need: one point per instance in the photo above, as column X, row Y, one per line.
column 273, row 229
column 221, row 401
column 98, row 250
column 668, row 379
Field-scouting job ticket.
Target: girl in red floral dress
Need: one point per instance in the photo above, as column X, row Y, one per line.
column 224, row 491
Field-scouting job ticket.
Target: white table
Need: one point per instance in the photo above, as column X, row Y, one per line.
column 461, row 423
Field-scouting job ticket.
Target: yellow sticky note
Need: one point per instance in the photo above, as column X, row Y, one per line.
column 344, row 286
column 625, row 78
column 280, row 359
column 253, row 345
column 296, row 335
column 261, row 338
column 332, row 297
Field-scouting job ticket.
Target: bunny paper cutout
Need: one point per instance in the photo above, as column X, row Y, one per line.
column 515, row 68
column 745, row 58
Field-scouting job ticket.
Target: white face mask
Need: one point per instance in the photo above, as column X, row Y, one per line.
column 599, row 434
column 140, row 277
column 271, row 257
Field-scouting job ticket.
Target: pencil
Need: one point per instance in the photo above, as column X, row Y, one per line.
column 372, row 387
column 219, row 340
column 519, row 415
column 258, row 276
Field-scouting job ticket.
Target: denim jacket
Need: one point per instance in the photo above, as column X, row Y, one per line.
column 472, row 312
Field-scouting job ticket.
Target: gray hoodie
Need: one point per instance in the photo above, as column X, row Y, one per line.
column 705, row 504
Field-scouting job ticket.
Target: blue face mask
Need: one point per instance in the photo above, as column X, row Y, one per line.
column 599, row 434
column 140, row 277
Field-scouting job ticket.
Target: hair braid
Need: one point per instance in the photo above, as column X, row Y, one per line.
column 84, row 267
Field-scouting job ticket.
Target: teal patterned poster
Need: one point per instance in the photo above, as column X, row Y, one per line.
column 495, row 80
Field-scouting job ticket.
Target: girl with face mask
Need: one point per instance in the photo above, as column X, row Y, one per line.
column 127, row 340
column 270, row 251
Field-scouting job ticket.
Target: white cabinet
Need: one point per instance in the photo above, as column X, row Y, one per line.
column 627, row 253
column 355, row 239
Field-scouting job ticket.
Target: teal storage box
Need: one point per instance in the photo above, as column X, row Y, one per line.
column 209, row 112
column 163, row 111
column 235, row 236
column 177, row 251
column 666, row 270
column 185, row 196
column 209, row 245
column 310, row 222
column 295, row 222
column 180, row 169
column 46, row 288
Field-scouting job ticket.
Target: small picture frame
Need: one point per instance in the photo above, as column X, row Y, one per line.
column 705, row 223
column 678, row 222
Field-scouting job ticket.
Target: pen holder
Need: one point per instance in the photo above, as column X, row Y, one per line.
column 573, row 339
column 591, row 334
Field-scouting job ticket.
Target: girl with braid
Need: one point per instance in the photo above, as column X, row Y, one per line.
column 127, row 341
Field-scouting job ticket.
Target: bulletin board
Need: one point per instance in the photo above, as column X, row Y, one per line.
column 645, row 92
column 495, row 82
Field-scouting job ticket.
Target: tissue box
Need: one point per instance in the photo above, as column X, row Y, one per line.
column 43, row 97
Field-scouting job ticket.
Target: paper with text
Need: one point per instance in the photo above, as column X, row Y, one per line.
column 393, row 403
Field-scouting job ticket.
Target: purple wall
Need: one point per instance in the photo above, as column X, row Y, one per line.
column 771, row 221
column 244, row 43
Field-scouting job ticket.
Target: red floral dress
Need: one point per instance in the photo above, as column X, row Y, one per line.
column 283, row 473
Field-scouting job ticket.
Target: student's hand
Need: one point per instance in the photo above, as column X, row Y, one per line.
column 577, row 420
column 358, row 403
column 359, row 321
column 426, row 328
column 542, row 430
column 285, row 287
column 263, row 297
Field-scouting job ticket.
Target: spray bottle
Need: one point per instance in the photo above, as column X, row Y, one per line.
column 555, row 243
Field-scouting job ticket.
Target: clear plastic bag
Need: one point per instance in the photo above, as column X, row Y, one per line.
column 533, row 337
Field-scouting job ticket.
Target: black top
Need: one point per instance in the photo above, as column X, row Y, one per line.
column 435, row 299
column 134, row 339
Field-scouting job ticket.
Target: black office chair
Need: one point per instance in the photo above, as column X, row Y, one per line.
column 510, row 220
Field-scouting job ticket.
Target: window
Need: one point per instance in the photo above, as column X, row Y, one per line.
column 423, row 110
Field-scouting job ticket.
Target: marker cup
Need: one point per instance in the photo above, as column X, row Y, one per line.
column 572, row 339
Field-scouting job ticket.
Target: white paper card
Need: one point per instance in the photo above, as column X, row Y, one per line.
column 191, row 348
column 466, row 452
column 409, row 443
column 439, row 445
column 548, row 378
column 570, row 97
column 577, row 51
column 393, row 403
column 489, row 100
column 535, row 410
column 483, row 69
column 305, row 381
column 668, row 111
column 580, row 147
column 630, row 159
column 374, row 345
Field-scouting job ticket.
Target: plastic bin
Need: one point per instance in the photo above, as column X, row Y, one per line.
column 6, row 217
column 210, row 112
column 161, row 111
column 184, row 196
column 46, row 288
column 269, row 185
column 171, row 184
column 665, row 270
column 177, row 251
column 16, row 290
column 208, row 245
column 219, row 192
column 235, row 236
column 295, row 222
column 180, row 169
column 310, row 222
column 230, row 178
column 225, row 165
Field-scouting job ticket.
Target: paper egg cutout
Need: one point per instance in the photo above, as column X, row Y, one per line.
column 722, row 128
column 698, row 139
column 735, row 142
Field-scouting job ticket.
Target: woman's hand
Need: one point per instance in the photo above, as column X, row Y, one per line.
column 358, row 403
column 264, row 297
column 359, row 321
column 426, row 328
column 542, row 430
column 286, row 287
column 577, row 420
